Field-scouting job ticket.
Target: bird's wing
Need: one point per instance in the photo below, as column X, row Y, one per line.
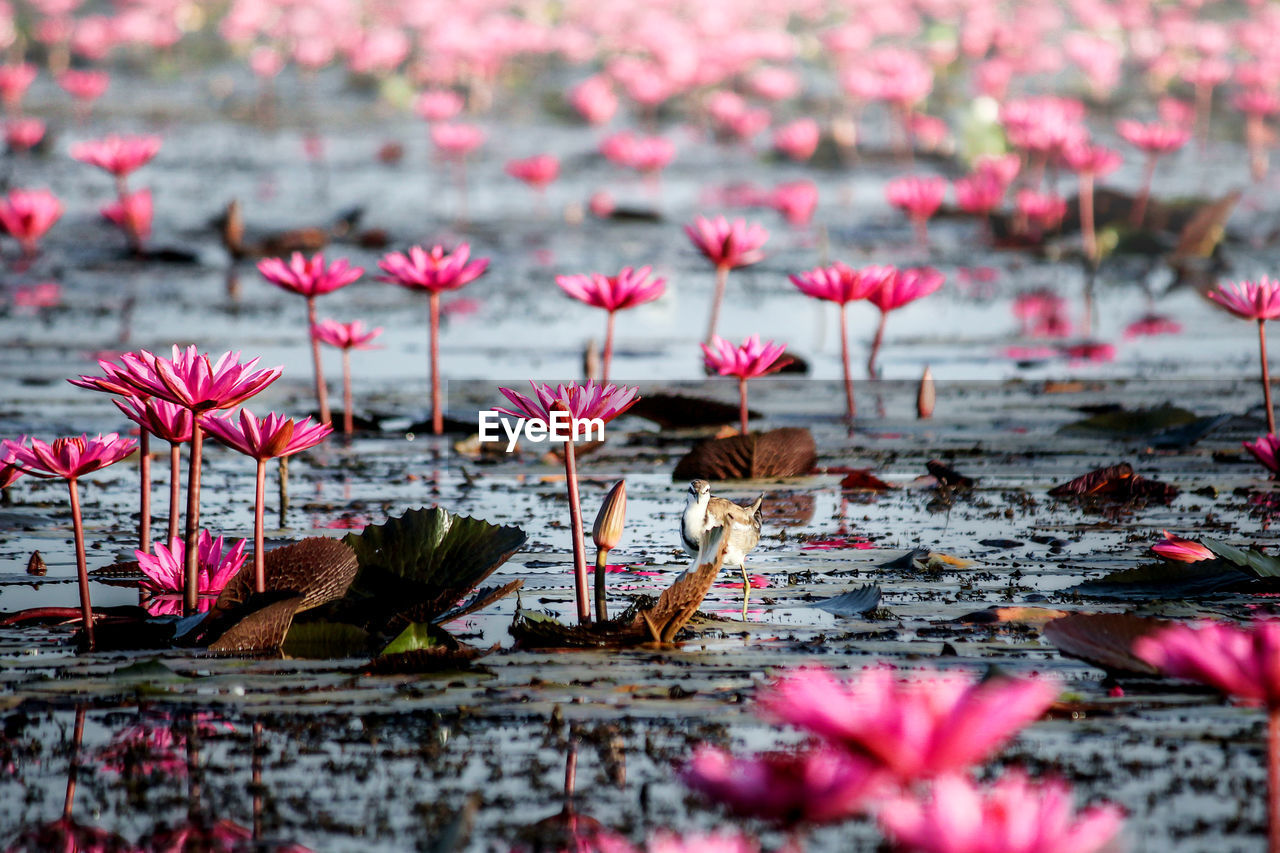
column 720, row 510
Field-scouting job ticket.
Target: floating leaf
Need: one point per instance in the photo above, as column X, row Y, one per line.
column 325, row 641
column 786, row 452
column 676, row 411
column 1115, row 482
column 318, row 568
column 855, row 602
column 1166, row 580
column 1249, row 559
column 258, row 624
column 1105, row 639
column 1132, row 422
column 417, row 636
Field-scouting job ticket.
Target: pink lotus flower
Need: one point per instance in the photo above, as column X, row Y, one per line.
column 627, row 289
column 594, row 100
column 1182, row 550
column 14, row 80
column 934, row 723
column 1043, row 211
column 167, row 421
column 919, row 198
column 1003, row 168
column 309, row 278
column 1260, row 301
column 774, row 84
column 1095, row 160
column 907, row 286
column 1152, row 324
column 1266, row 449
column 798, row 140
column 582, row 403
column 1241, row 662
column 119, row 155
column 456, row 141
column 27, row 215
column 1013, row 815
column 351, row 335
column 1155, row 139
column 271, row 437
column 22, row 134
column 436, row 105
column 728, row 245
column 747, row 361
column 164, row 567
column 822, row 785
column 132, row 214
column 84, row 85
column 716, row 842
column 647, row 155
column 795, row 200
column 69, row 459
column 537, row 171
column 190, row 379
column 979, row 193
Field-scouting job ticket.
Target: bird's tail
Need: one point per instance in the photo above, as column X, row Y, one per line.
column 757, row 515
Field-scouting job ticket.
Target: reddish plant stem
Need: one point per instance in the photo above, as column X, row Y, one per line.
column 437, row 413
column 144, row 499
column 722, row 278
column 175, row 487
column 1086, row 217
column 571, row 770
column 348, row 418
column 73, row 772
column 742, row 403
column 255, row 765
column 875, row 345
column 1139, row 212
column 259, row 553
column 191, row 597
column 1255, row 139
column 1273, row 780
column 850, row 406
column 608, row 348
column 322, row 393
column 82, row 567
column 1266, row 376
column 579, row 544
column 922, row 231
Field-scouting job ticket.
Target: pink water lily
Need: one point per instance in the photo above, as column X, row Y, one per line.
column 896, row 291
column 746, row 361
column 132, row 214
column 69, row 459
column 1090, row 162
column 538, row 171
column 118, row 155
column 1011, row 815
column 1266, row 449
column 262, row 439
column 345, row 336
column 27, row 215
column 841, row 284
column 627, row 289
column 434, row 271
column 23, row 134
column 169, row 422
column 165, row 566
column 309, row 279
column 919, row 726
column 1155, row 140
column 1260, row 301
column 1182, row 550
column 919, row 197
column 582, row 403
column 728, row 245
column 820, row 785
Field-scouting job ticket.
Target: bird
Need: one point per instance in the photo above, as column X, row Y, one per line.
column 702, row 512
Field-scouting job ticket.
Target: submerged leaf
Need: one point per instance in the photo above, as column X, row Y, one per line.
column 1105, row 639
column 325, row 641
column 1165, row 580
column 676, row 411
column 1133, row 422
column 786, row 452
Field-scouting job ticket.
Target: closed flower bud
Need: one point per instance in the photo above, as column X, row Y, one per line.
column 927, row 395
column 612, row 518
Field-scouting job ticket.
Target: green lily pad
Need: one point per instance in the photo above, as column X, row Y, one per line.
column 415, row 637
column 325, row 641
column 1250, row 560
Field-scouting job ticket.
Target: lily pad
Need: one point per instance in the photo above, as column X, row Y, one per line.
column 1132, row 422
column 325, row 641
column 416, row 636
column 1248, row 559
column 1105, row 639
column 1166, row 580
column 786, row 452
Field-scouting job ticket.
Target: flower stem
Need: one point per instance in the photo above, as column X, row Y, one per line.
column 875, row 345
column 437, row 414
column 1139, row 212
column 282, row 491
column 175, row 487
column 82, row 567
column 348, row 418
column 73, row 772
column 1273, row 780
column 579, row 545
column 602, row 609
column 722, row 278
column 922, row 231
column 259, row 554
column 322, row 393
column 742, row 403
column 191, row 598
column 1266, row 376
column 144, row 499
column 608, row 349
column 850, row 406
column 1086, row 217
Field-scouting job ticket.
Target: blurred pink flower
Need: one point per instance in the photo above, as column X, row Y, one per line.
column 309, row 278
column 351, row 335
column 906, row 286
column 27, row 215
column 456, row 141
column 435, row 270
column 727, row 245
column 979, row 193
column 118, row 155
column 84, row 85
column 795, row 200
column 933, row 723
column 594, row 100
column 1013, row 815
column 537, row 171
column 627, row 289
column 1243, row 662
column 820, row 785
column 841, row 284
column 1043, row 211
column 799, row 139
column 132, row 214
column 14, row 80
column 21, row 134
column 436, row 105
column 1153, row 138
column 1266, row 449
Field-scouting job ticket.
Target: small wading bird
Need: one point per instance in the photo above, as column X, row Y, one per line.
column 703, row 512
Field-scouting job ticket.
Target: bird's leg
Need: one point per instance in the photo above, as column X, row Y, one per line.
column 746, row 590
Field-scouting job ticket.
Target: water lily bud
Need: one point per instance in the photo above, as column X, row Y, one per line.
column 927, row 396
column 612, row 518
